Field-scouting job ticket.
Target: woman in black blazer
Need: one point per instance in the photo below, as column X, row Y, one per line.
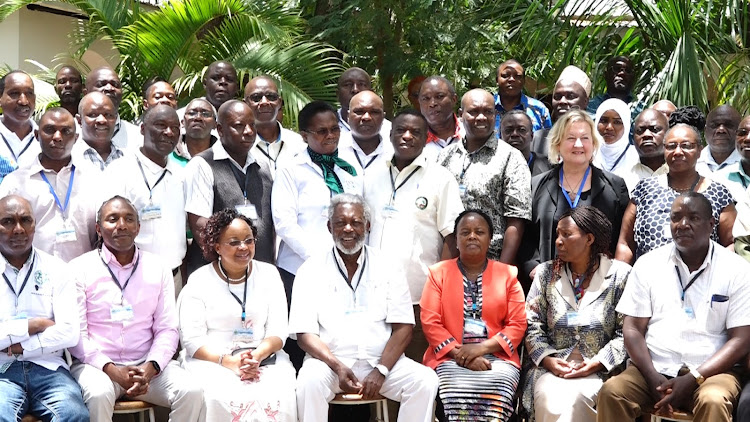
column 572, row 182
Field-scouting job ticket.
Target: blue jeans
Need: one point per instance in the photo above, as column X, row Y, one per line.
column 52, row 396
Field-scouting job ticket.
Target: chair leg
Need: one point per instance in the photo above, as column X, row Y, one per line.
column 384, row 410
column 151, row 416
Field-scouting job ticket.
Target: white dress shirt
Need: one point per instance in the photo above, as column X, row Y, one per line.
column 127, row 136
column 278, row 152
column 51, row 222
column 638, row 172
column 19, row 152
column 363, row 162
column 707, row 165
column 354, row 321
column 299, row 204
column 49, row 293
column 385, row 129
column 719, row 300
column 164, row 235
column 409, row 224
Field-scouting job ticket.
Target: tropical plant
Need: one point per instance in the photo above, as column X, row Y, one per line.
column 179, row 40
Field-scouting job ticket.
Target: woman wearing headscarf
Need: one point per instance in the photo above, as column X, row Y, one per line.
column 613, row 130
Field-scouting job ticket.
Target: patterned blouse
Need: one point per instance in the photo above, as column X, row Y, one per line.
column 597, row 334
column 496, row 179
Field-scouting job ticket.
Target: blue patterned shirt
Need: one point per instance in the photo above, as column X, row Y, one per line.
column 535, row 109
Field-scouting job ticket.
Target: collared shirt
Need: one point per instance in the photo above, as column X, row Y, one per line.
column 353, row 320
column 535, row 109
column 638, row 172
column 181, row 115
column 278, row 152
column 409, row 225
column 362, row 161
column 385, row 129
column 83, row 153
column 435, row 145
column 126, row 136
column 735, row 179
column 199, row 181
column 299, row 205
column 151, row 333
column 49, row 293
column 165, row 235
column 181, row 155
column 707, row 164
column 717, row 301
column 15, row 152
column 496, row 179
column 51, row 222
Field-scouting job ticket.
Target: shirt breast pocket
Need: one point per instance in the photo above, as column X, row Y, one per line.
column 377, row 301
column 716, row 322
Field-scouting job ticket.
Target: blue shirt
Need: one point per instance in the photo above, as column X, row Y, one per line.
column 535, row 109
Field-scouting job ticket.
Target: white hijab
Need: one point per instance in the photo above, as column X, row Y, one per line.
column 609, row 153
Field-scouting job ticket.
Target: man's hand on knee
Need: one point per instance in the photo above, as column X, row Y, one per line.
column 372, row 384
column 348, row 382
column 678, row 392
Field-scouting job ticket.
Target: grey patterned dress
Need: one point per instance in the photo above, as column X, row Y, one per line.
column 548, row 334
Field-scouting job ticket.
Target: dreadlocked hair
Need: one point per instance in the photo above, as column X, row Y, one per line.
column 590, row 221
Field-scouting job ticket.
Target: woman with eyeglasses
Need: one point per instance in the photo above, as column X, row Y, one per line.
column 233, row 323
column 645, row 225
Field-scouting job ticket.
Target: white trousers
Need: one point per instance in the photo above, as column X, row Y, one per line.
column 172, row 388
column 410, row 383
column 566, row 400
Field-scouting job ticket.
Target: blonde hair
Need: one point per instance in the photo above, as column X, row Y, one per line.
column 557, row 133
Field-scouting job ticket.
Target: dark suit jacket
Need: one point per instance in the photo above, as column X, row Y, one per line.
column 540, row 164
column 608, row 193
column 540, row 143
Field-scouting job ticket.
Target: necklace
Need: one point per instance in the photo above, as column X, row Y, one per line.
column 232, row 280
column 692, row 187
column 571, row 189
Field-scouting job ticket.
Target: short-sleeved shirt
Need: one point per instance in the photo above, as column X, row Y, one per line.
column 15, row 152
column 363, row 162
column 535, row 109
column 278, row 152
column 653, row 199
column 717, row 301
column 353, row 320
column 496, row 179
column 735, row 179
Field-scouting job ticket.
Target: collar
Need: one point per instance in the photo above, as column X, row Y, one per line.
column 431, row 137
column 522, row 105
column 154, row 167
column 675, row 258
column 342, row 123
column 706, row 157
column 420, row 161
column 5, row 264
column 357, row 150
column 491, row 144
column 259, row 138
column 36, row 166
column 109, row 257
column 628, row 98
column 221, row 154
column 181, row 148
column 360, row 261
column 663, row 169
column 117, row 125
column 7, row 132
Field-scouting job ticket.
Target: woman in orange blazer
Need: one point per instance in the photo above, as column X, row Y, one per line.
column 474, row 319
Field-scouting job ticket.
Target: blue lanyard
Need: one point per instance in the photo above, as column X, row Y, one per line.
column 63, row 207
column 531, row 158
column 574, row 204
column 7, row 144
column 617, row 161
column 25, row 280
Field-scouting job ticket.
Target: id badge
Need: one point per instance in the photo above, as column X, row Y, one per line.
column 462, row 190
column 150, row 212
column 121, row 313
column 22, row 315
column 689, row 312
column 574, row 319
column 242, row 335
column 66, row 233
column 475, row 327
column 390, row 211
column 248, row 210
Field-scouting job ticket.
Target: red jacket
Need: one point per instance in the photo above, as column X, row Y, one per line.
column 442, row 310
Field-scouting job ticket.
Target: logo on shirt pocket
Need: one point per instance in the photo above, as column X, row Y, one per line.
column 421, row 202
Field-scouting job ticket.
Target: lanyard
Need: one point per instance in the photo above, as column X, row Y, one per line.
column 150, row 188
column 244, row 297
column 620, row 158
column 63, row 207
column 114, row 278
column 363, row 166
column 463, row 171
column 403, row 182
column 268, row 153
column 574, row 204
column 7, row 144
column 531, row 158
column 25, row 280
column 240, row 177
column 474, row 286
column 692, row 280
column 361, row 272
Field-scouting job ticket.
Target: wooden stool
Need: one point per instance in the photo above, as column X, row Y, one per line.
column 677, row 415
column 142, row 408
column 381, row 405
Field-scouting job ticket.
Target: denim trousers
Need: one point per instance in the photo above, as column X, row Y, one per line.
column 27, row 388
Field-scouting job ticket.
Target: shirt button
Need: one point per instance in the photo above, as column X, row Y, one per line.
column 578, row 337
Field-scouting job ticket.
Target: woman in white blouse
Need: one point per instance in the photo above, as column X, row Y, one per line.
column 233, row 324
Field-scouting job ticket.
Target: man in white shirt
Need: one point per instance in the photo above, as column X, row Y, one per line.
column 96, row 117
column 437, row 100
column 274, row 144
column 737, row 176
column 156, row 186
column 721, row 128
column 60, row 191
column 649, row 129
column 158, row 91
column 687, row 323
column 38, row 319
column 17, row 100
column 351, row 314
column 370, row 147
column 105, row 80
column 353, row 81
column 415, row 202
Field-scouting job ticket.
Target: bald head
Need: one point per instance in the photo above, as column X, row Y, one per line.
column 106, row 81
column 478, row 113
column 262, row 95
column 236, row 129
column 665, row 107
column 366, row 115
column 649, row 129
column 477, row 94
column 97, row 116
column 16, row 229
column 721, row 130
column 353, row 81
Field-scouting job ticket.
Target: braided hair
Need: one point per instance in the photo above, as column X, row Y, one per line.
column 592, row 221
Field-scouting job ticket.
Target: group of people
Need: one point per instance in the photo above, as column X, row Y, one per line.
column 454, row 262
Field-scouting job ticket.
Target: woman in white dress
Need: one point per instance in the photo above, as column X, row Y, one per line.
column 233, row 324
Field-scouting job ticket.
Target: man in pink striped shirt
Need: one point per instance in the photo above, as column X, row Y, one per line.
column 128, row 323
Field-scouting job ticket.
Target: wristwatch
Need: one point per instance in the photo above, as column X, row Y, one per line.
column 698, row 377
column 382, row 369
column 156, row 366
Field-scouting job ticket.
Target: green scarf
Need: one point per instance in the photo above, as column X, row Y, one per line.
column 326, row 163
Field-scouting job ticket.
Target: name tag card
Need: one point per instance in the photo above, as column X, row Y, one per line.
column 475, row 327
column 66, row 233
column 390, row 211
column 248, row 210
column 150, row 212
column 243, row 335
column 575, row 319
column 121, row 313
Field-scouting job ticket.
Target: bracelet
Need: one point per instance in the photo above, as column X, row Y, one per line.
column 221, row 359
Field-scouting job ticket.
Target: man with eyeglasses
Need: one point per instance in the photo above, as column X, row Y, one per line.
column 274, row 144
column 128, row 323
column 737, row 176
column 227, row 175
column 59, row 189
column 156, row 186
column 649, row 129
column 353, row 81
column 365, row 141
column 198, row 126
column 721, row 130
column 17, row 100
